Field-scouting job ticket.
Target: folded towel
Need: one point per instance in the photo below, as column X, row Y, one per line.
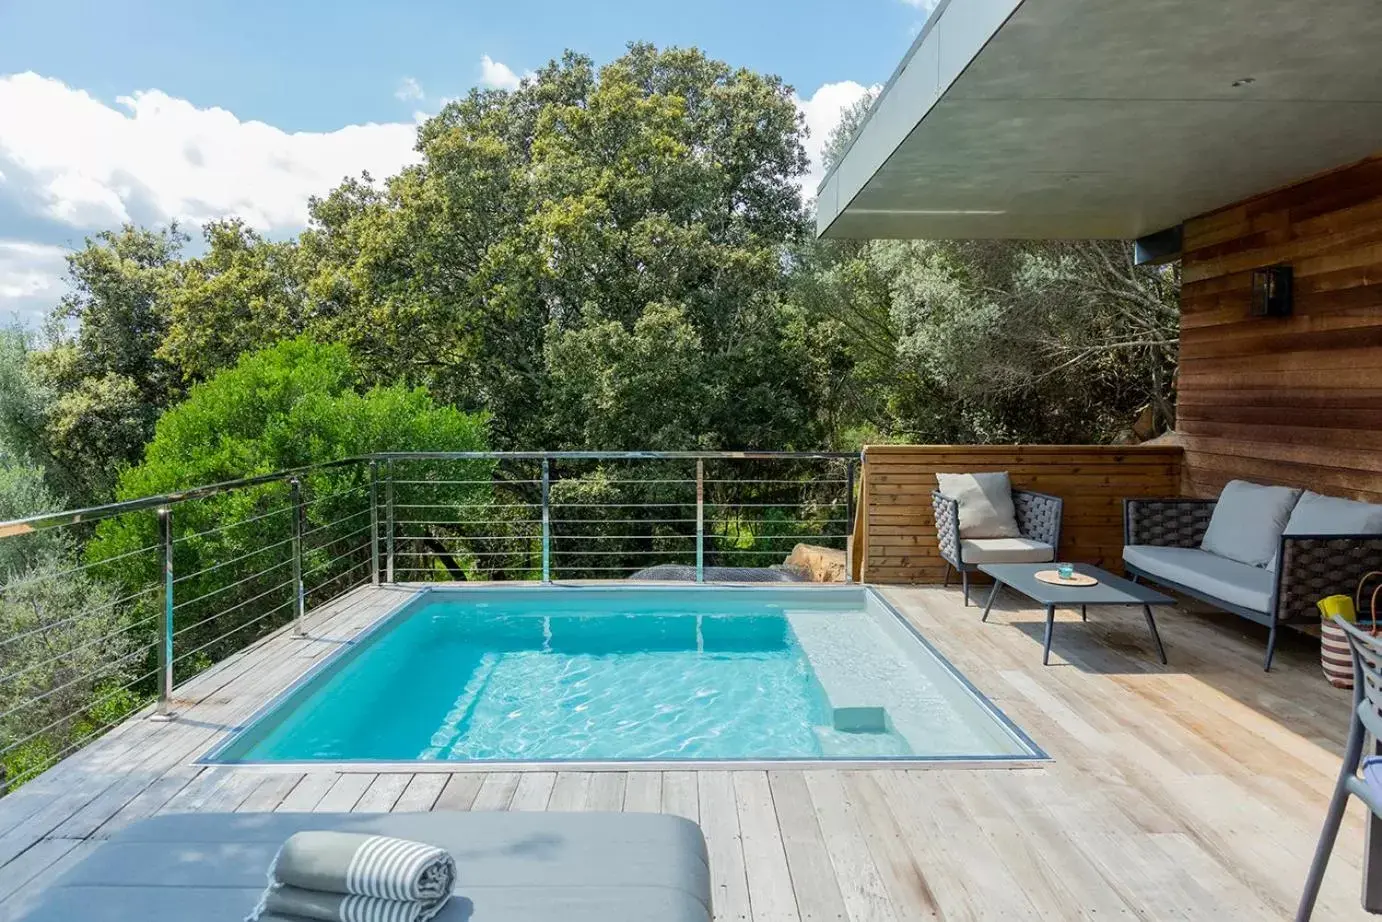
column 282, row 901
column 363, row 865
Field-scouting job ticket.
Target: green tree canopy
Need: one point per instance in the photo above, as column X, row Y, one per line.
column 291, row 405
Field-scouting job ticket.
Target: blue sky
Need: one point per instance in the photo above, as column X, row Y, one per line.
column 153, row 111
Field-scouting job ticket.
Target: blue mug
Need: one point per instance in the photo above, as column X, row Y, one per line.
column 1066, row 571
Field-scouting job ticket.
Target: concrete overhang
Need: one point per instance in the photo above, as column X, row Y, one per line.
column 1078, row 119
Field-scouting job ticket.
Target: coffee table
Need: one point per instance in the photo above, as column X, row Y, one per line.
column 1111, row 590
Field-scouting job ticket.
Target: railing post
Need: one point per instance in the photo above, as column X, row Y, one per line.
column 700, row 520
column 374, row 522
column 299, row 597
column 849, row 521
column 388, row 519
column 165, row 643
column 546, row 520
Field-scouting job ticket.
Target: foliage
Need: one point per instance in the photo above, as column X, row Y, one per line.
column 68, row 648
column 289, row 406
column 67, row 664
column 538, row 222
column 986, row 341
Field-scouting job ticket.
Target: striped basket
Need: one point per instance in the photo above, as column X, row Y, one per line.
column 1335, row 658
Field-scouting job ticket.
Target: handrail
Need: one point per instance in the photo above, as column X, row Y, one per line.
column 95, row 513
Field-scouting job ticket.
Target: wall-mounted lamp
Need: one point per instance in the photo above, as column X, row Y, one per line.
column 1271, row 291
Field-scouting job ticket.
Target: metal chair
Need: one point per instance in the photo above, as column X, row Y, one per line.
column 1367, row 718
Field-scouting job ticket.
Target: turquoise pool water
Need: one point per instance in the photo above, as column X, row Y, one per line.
column 632, row 674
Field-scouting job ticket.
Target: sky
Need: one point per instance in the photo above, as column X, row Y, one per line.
column 150, row 111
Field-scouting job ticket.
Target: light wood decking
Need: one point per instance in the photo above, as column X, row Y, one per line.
column 1193, row 791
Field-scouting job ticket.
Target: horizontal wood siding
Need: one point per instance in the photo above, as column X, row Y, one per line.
column 899, row 532
column 1295, row 400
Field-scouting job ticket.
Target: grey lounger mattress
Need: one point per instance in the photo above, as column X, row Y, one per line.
column 512, row 867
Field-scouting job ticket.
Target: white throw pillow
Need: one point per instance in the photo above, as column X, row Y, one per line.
column 986, row 503
column 1248, row 521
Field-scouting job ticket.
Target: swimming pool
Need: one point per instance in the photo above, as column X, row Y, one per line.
column 646, row 674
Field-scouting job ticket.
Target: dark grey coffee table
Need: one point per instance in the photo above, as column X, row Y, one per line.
column 1112, row 590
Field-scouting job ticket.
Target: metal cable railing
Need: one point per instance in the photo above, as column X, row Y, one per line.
column 106, row 610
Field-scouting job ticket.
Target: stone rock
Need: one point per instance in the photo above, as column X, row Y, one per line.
column 823, row 564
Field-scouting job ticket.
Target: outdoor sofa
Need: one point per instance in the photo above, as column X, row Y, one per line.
column 511, row 867
column 1265, row 553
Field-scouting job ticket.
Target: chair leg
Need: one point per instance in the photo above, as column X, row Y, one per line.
column 1333, row 819
column 964, row 578
column 1271, row 649
column 946, row 584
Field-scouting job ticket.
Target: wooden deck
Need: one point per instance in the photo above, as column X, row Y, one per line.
column 1192, row 791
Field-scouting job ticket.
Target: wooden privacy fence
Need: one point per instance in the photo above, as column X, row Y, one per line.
column 895, row 533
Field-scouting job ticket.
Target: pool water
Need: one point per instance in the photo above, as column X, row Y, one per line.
column 578, row 674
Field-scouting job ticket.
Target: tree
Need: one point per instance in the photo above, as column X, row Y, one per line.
column 291, row 405
column 986, row 341
column 107, row 380
column 586, row 197
column 244, row 292
column 68, row 652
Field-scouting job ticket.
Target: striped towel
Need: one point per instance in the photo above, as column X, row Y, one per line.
column 349, row 877
column 296, row 903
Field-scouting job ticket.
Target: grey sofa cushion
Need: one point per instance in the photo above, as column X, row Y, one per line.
column 1005, row 550
column 512, row 867
column 1315, row 514
column 986, row 503
column 1208, row 574
column 1248, row 521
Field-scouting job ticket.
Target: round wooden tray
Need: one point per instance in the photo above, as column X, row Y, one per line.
column 1053, row 577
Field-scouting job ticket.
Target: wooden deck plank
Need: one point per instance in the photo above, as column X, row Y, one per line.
column 496, row 791
column 344, row 794
column 771, row 898
column 643, row 792
column 813, row 878
column 421, row 793
column 383, row 792
column 720, row 823
column 461, row 792
column 1191, row 791
column 534, row 791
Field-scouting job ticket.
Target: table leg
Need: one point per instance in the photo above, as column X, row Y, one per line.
column 1084, row 612
column 1050, row 621
column 1151, row 624
column 993, row 594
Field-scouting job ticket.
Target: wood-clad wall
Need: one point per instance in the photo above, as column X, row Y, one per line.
column 1295, row 400
column 895, row 538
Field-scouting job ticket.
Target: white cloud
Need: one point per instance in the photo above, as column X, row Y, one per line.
column 153, row 158
column 497, row 75
column 32, row 279
column 408, row 89
column 822, row 112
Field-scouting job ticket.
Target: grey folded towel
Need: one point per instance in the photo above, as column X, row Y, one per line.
column 296, row 903
column 363, row 865
column 349, row 877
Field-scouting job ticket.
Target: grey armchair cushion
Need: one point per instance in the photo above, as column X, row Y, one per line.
column 1006, row 550
column 1248, row 521
column 1217, row 577
column 986, row 503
